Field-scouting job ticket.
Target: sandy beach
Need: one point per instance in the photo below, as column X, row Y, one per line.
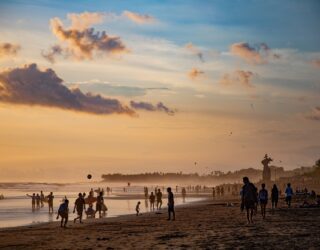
column 202, row 225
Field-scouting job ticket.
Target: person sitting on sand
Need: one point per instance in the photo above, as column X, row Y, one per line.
column 159, row 199
column 50, row 202
column 274, row 196
column 90, row 212
column 63, row 212
column 289, row 193
column 99, row 203
column 33, row 200
column 138, row 208
column 263, row 199
column 80, row 205
column 248, row 198
column 152, row 199
column 171, row 204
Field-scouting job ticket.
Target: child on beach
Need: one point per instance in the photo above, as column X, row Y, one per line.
column 138, row 208
column 63, row 211
column 90, row 212
column 263, row 199
column 171, row 204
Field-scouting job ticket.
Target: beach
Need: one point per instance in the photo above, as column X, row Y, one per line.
column 201, row 225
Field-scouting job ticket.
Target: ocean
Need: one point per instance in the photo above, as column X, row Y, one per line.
column 16, row 209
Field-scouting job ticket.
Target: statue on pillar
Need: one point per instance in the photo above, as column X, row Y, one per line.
column 266, row 175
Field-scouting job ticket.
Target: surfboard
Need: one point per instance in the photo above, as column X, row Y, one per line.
column 90, row 200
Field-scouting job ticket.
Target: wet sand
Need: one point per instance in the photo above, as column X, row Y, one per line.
column 203, row 225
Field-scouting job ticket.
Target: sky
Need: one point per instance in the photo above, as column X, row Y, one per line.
column 142, row 86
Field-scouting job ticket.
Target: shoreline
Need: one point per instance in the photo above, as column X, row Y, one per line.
column 208, row 224
column 96, row 220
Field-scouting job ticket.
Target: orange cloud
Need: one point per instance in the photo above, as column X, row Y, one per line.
column 254, row 55
column 316, row 63
column 314, row 115
column 195, row 50
column 138, row 18
column 8, row 49
column 194, row 73
column 238, row 77
column 81, row 41
column 82, row 21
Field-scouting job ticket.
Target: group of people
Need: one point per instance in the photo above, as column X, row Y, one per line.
column 37, row 201
column 152, row 198
column 250, row 198
column 80, row 207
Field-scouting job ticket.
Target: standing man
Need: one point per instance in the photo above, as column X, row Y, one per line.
column 289, row 194
column 274, row 196
column 159, row 199
column 248, row 198
column 80, row 205
column 171, row 204
column 50, row 202
column 263, row 199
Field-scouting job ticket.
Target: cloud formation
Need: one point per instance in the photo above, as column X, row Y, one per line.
column 51, row 54
column 194, row 73
column 81, row 41
column 150, row 107
column 316, row 63
column 84, row 20
column 195, row 50
column 238, row 77
column 8, row 49
column 29, row 85
column 314, row 115
column 258, row 54
column 138, row 18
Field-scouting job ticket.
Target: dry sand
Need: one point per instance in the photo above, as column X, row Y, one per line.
column 204, row 225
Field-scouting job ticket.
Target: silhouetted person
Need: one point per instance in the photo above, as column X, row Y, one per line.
column 213, row 193
column 249, row 198
column 99, row 203
column 33, row 200
column 184, row 194
column 79, row 205
column 138, row 208
column 289, row 193
column 63, row 212
column 38, row 199
column 171, row 204
column 50, row 202
column 222, row 191
column 90, row 211
column 159, row 199
column 274, row 196
column 152, row 199
column 263, row 199
column 42, row 198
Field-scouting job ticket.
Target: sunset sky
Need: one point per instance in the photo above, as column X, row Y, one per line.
column 141, row 86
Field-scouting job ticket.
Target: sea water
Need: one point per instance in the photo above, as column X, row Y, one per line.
column 16, row 209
